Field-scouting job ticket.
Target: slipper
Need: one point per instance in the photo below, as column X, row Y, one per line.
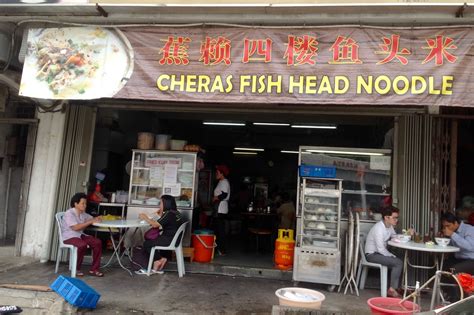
column 141, row 272
column 79, row 274
column 96, row 273
column 158, row 272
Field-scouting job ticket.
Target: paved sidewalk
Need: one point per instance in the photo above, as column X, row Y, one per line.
column 192, row 294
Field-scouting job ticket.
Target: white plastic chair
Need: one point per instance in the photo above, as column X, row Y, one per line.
column 364, row 267
column 72, row 248
column 176, row 245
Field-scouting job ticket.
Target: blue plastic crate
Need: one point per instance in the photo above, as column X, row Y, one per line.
column 317, row 171
column 76, row 292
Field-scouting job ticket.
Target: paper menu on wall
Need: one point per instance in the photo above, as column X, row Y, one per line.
column 170, row 174
column 380, row 163
column 156, row 176
column 172, row 189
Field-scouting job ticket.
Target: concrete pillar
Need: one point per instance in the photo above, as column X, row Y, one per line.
column 39, row 218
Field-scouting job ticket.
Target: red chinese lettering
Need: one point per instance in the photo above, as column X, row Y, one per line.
column 175, row 51
column 439, row 50
column 261, row 47
column 305, row 48
column 215, row 51
column 345, row 51
column 390, row 47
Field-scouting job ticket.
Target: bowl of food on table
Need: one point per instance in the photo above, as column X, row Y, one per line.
column 403, row 238
column 442, row 241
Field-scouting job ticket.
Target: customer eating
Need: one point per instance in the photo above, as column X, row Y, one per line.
column 462, row 236
column 169, row 222
column 376, row 247
column 75, row 221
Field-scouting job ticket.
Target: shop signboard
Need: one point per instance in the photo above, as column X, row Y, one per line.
column 307, row 65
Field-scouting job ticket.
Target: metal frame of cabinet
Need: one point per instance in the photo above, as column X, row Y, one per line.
column 318, row 245
column 146, row 188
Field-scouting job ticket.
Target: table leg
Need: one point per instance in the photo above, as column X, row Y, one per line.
column 116, row 250
column 113, row 244
column 436, row 291
column 405, row 274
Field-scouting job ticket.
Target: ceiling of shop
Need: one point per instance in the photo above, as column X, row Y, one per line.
column 351, row 131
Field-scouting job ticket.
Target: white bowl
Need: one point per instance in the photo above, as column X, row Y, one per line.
column 321, row 226
column 403, row 238
column 441, row 241
column 300, row 297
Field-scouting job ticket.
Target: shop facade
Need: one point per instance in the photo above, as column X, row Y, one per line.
column 314, row 73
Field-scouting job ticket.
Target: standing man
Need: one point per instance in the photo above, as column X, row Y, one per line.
column 221, row 201
column 462, row 236
column 74, row 223
column 376, row 247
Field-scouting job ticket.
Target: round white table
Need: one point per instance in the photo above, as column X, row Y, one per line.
column 421, row 247
column 123, row 226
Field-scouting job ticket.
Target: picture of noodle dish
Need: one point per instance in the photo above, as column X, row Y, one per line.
column 75, row 63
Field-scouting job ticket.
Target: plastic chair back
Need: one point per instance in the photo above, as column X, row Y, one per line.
column 176, row 245
column 73, row 255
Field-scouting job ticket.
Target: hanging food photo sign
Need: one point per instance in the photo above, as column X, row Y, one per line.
column 76, row 63
column 334, row 65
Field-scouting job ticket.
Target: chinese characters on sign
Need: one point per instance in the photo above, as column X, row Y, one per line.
column 302, row 50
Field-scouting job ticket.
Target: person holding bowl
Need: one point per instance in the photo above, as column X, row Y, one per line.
column 462, row 236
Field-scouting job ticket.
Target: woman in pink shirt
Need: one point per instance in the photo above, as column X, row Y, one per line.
column 74, row 222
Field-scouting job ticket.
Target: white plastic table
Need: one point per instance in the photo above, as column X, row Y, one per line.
column 421, row 247
column 122, row 225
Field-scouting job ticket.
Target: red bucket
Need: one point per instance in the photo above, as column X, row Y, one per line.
column 391, row 306
column 203, row 247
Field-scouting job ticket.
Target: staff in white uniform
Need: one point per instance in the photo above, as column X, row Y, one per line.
column 221, row 200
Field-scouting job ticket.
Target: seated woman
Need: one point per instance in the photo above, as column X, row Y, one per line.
column 74, row 222
column 169, row 221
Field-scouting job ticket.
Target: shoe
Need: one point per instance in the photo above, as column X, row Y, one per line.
column 141, row 272
column 393, row 293
column 96, row 273
column 158, row 272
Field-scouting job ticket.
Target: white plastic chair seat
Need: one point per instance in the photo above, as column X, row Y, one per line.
column 364, row 268
column 176, row 245
column 73, row 249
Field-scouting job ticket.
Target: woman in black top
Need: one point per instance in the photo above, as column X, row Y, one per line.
column 169, row 222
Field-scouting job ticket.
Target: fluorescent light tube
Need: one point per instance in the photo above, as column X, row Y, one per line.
column 315, row 126
column 345, row 152
column 287, row 151
column 249, row 149
column 244, row 153
column 222, row 123
column 270, row 124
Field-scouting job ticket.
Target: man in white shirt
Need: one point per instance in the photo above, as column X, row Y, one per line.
column 221, row 200
column 376, row 247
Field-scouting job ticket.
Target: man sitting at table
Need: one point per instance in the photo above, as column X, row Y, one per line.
column 462, row 236
column 74, row 223
column 376, row 247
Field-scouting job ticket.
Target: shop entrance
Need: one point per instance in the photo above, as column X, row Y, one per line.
column 260, row 150
column 15, row 171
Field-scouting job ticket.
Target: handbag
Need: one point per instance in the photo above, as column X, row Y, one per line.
column 152, row 234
